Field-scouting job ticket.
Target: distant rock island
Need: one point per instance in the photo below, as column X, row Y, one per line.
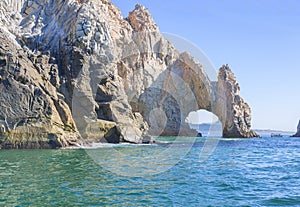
column 273, row 132
column 74, row 72
column 298, row 131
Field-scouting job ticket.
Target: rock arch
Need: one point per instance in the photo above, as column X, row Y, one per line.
column 206, row 123
column 222, row 98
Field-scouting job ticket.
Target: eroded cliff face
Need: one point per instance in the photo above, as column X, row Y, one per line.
column 32, row 113
column 86, row 70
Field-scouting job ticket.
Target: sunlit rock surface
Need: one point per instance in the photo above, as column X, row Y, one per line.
column 74, row 72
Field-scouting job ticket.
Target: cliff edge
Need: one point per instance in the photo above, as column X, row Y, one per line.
column 75, row 72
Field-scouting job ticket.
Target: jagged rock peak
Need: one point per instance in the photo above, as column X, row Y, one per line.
column 141, row 20
column 227, row 73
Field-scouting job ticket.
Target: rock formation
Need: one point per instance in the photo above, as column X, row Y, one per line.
column 32, row 113
column 298, row 131
column 76, row 71
column 235, row 113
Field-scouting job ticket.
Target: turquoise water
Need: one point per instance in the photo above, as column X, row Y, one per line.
column 251, row 172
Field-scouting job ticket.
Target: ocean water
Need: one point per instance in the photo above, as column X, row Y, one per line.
column 249, row 172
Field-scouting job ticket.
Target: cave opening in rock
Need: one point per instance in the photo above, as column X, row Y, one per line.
column 205, row 122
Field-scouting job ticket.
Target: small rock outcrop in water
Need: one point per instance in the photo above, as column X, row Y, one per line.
column 298, row 131
column 75, row 72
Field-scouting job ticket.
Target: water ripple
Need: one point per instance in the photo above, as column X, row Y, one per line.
column 254, row 172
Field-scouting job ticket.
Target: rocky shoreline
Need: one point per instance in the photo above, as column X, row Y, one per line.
column 75, row 72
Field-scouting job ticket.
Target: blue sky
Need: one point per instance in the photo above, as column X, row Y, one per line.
column 260, row 40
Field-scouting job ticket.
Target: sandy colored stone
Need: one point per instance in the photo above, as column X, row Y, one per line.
column 77, row 71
